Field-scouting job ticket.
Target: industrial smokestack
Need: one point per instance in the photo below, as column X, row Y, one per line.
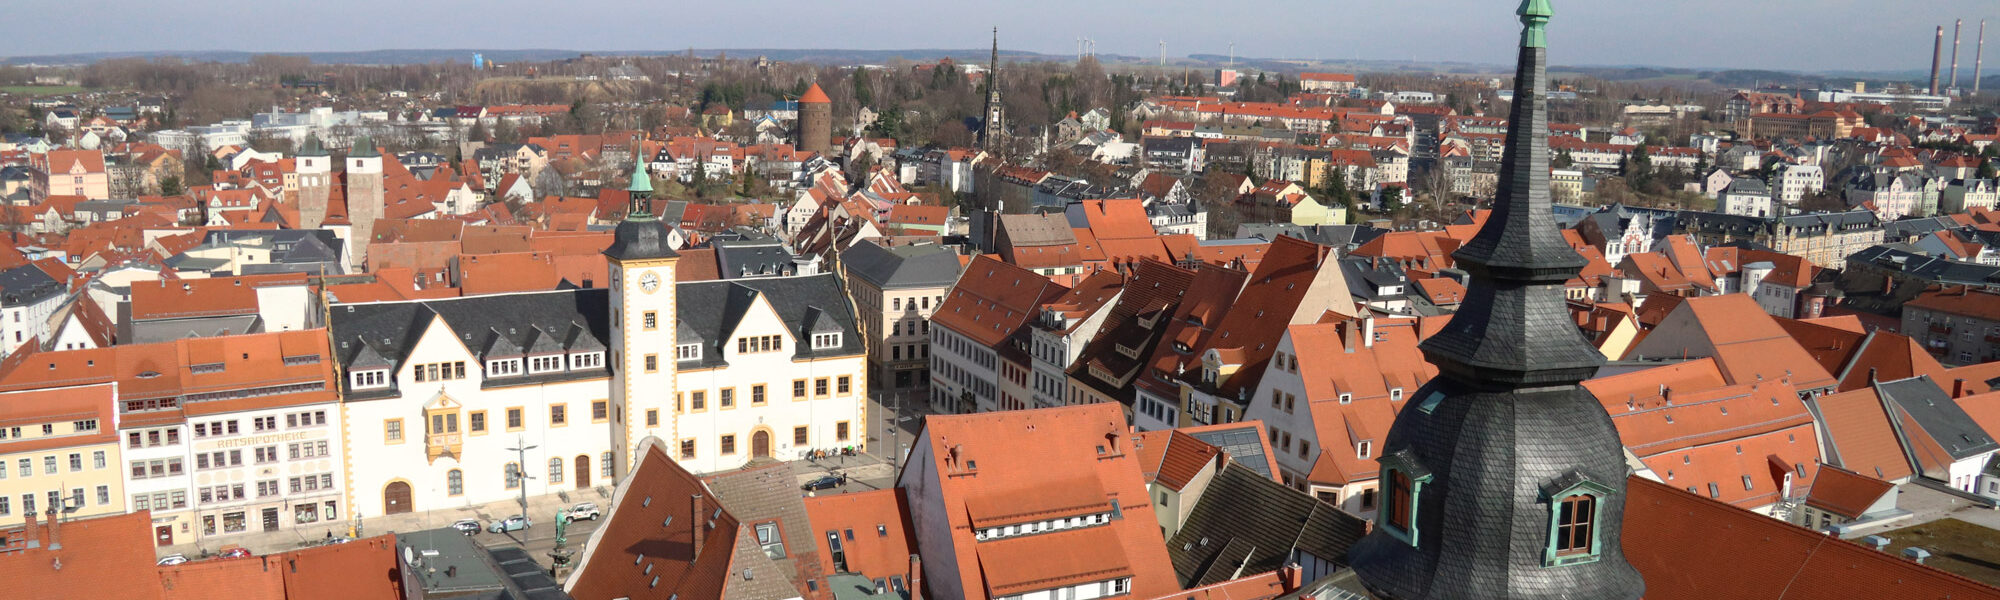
column 1955, row 25
column 1937, row 52
column 1978, row 56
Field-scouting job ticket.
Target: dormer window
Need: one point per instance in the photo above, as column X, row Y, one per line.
column 503, row 367
column 825, row 341
column 1405, row 481
column 1396, row 395
column 1364, row 450
column 545, row 364
column 378, row 378
column 1347, row 398
column 1575, row 504
column 687, row 352
column 586, row 360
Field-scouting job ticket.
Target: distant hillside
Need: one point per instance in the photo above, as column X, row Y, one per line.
column 1733, row 78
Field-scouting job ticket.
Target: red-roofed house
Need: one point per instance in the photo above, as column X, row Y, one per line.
column 1037, row 503
column 983, row 317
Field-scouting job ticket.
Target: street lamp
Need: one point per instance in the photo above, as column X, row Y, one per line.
column 521, row 469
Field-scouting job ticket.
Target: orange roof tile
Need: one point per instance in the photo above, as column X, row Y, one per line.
column 1846, row 493
column 646, row 546
column 882, row 548
column 101, row 557
column 1172, row 458
column 1863, row 440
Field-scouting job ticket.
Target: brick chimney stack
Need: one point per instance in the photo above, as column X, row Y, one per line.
column 700, row 525
column 916, row 577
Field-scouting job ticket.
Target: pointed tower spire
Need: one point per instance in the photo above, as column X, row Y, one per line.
column 1505, row 479
column 990, row 130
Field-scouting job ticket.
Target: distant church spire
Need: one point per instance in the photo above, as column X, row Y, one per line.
column 996, row 118
column 1504, row 479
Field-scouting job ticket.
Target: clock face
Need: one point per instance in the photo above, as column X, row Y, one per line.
column 649, row 281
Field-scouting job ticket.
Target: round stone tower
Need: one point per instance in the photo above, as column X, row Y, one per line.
column 815, row 121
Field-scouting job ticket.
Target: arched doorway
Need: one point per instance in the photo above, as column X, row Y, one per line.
column 760, row 444
column 582, row 471
column 396, row 498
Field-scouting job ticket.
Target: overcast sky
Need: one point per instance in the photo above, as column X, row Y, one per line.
column 1810, row 35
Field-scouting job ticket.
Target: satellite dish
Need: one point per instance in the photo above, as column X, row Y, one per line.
column 409, row 556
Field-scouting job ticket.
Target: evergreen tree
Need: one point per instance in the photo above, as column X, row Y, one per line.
column 863, row 95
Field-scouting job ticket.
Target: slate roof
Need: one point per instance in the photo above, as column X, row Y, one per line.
column 26, row 285
column 1220, row 537
column 900, row 267
column 1926, row 406
column 752, row 258
column 493, row 325
column 710, row 311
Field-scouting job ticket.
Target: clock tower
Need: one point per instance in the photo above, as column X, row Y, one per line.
column 644, row 323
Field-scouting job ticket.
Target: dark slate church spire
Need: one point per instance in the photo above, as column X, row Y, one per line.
column 1504, row 479
column 996, row 115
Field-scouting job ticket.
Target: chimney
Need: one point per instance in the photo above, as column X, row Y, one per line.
column 1871, row 375
column 1958, row 388
column 1956, row 26
column 1937, row 51
column 1916, row 554
column 1978, row 56
column 916, row 577
column 1368, row 333
column 1291, row 576
column 1347, row 340
column 700, row 525
column 1879, row 543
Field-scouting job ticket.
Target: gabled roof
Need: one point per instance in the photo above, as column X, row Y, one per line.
column 1246, row 524
column 993, row 300
column 1937, row 431
column 882, row 542
column 1003, row 468
column 1860, row 436
column 646, row 546
column 1172, row 459
column 100, row 557
column 1673, row 538
column 1846, row 493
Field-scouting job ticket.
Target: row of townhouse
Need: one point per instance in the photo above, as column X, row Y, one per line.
column 422, row 405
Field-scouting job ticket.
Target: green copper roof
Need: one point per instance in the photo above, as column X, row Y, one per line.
column 312, row 146
column 640, row 181
column 364, row 148
column 1535, row 15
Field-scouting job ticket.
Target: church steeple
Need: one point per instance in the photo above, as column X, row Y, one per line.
column 641, row 189
column 640, row 236
column 996, row 118
column 1504, row 479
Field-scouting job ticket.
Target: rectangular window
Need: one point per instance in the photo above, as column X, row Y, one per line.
column 757, row 394
column 819, row 387
column 652, row 417
column 727, row 397
column 840, row 431
column 687, row 449
column 1573, row 525
column 798, row 389
column 652, row 320
column 799, row 435
column 698, row 400
column 513, row 419
column 479, row 422
column 652, row 363
column 600, row 410
column 392, row 431
column 75, row 462
column 728, row 444
column 558, row 414
column 845, row 385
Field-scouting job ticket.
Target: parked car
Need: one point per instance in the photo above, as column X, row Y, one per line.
column 583, row 510
column 466, row 526
column 825, row 482
column 172, row 559
column 235, row 552
column 513, row 523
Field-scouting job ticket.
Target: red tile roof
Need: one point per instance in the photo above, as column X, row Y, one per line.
column 1846, row 493
column 1863, row 440
column 1171, row 458
column 190, row 298
column 1003, row 468
column 993, row 300
column 646, row 546
column 101, row 557
column 1674, row 539
column 882, row 544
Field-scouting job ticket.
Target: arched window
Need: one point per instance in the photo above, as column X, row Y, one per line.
column 513, row 476
column 1575, row 517
column 555, row 470
column 454, row 481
